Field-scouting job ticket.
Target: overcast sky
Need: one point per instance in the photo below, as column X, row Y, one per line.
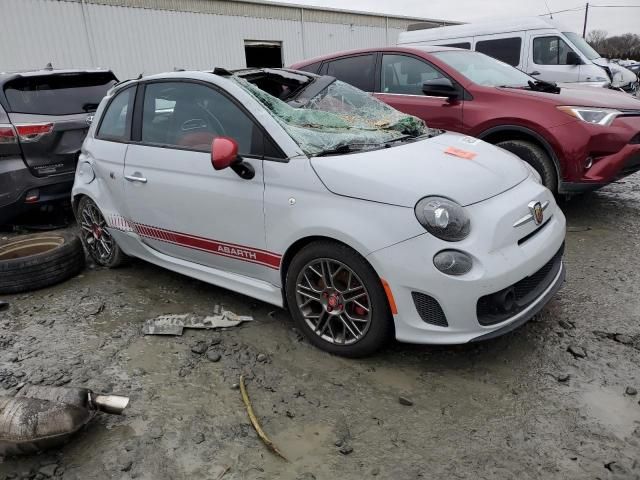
column 613, row 20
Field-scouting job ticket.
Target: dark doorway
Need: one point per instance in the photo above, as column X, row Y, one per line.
column 259, row 54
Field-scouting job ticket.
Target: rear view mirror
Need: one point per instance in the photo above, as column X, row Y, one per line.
column 440, row 87
column 573, row 58
column 224, row 152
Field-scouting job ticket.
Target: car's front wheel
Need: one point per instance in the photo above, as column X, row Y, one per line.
column 95, row 236
column 337, row 300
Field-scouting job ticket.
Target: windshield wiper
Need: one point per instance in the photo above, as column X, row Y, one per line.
column 90, row 107
column 542, row 86
column 337, row 151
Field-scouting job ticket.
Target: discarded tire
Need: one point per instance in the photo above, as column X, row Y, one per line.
column 30, row 262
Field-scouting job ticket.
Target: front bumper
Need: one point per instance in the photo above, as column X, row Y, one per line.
column 503, row 255
column 16, row 181
column 614, row 152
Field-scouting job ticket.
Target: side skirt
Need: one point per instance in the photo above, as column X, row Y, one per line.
column 258, row 289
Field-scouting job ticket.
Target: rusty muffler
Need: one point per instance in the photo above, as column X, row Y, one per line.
column 38, row 418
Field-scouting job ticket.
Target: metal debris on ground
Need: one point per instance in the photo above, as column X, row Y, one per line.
column 42, row 417
column 175, row 324
column 254, row 421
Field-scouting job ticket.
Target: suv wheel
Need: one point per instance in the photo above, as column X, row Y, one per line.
column 96, row 239
column 337, row 300
column 537, row 158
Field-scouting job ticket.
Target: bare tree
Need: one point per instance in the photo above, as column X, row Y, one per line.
column 597, row 39
column 618, row 46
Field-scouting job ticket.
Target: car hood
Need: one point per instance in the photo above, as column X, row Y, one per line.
column 404, row 174
column 584, row 96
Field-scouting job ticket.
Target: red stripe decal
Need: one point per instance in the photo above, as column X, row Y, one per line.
column 223, row 249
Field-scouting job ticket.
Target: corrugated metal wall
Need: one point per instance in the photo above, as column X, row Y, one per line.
column 148, row 40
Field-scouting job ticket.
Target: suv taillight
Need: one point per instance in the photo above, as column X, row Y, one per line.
column 7, row 135
column 32, row 132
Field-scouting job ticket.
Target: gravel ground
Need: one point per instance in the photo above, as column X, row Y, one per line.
column 554, row 399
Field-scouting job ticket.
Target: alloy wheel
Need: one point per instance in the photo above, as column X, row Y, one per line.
column 333, row 301
column 96, row 237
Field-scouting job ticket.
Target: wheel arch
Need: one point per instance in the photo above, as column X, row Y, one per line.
column 299, row 244
column 75, row 201
column 501, row 133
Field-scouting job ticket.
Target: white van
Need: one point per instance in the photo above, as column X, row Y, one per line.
column 540, row 47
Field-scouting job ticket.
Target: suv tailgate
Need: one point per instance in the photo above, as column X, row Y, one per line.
column 51, row 114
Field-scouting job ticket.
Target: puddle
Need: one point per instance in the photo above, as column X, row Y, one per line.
column 612, row 409
column 303, row 443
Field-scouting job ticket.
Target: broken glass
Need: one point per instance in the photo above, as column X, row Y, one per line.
column 340, row 116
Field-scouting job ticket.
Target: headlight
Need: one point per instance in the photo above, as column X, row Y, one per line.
column 595, row 116
column 443, row 218
column 533, row 173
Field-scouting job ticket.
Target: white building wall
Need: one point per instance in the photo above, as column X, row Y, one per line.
column 131, row 41
column 135, row 40
column 35, row 32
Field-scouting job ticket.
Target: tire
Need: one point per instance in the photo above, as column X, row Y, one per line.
column 535, row 156
column 96, row 239
column 30, row 262
column 351, row 314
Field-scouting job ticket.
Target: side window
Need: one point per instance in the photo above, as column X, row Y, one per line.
column 506, row 50
column 312, row 67
column 358, row 71
column 465, row 45
column 405, row 75
column 190, row 115
column 550, row 51
column 116, row 119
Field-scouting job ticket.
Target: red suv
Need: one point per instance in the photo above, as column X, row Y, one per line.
column 577, row 138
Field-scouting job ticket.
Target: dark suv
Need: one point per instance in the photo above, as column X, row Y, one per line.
column 44, row 117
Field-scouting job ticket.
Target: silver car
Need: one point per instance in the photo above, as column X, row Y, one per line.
column 302, row 191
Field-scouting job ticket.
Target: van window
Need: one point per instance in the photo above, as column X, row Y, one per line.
column 506, row 50
column 550, row 51
column 465, row 45
column 405, row 75
column 582, row 45
column 359, row 71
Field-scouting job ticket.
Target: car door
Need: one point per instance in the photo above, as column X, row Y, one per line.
column 548, row 59
column 106, row 150
column 178, row 204
column 401, row 80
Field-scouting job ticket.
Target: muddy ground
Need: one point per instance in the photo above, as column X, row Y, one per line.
column 554, row 399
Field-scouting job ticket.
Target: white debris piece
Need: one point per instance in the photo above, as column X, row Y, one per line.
column 175, row 324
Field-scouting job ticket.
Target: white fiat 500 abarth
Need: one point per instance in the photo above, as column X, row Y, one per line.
column 302, row 191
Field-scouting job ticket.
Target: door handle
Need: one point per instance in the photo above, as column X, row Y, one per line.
column 535, row 72
column 136, row 177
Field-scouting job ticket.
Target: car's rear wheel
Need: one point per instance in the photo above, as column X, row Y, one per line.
column 95, row 236
column 337, row 300
column 535, row 156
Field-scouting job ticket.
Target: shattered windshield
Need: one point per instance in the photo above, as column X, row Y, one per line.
column 339, row 119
